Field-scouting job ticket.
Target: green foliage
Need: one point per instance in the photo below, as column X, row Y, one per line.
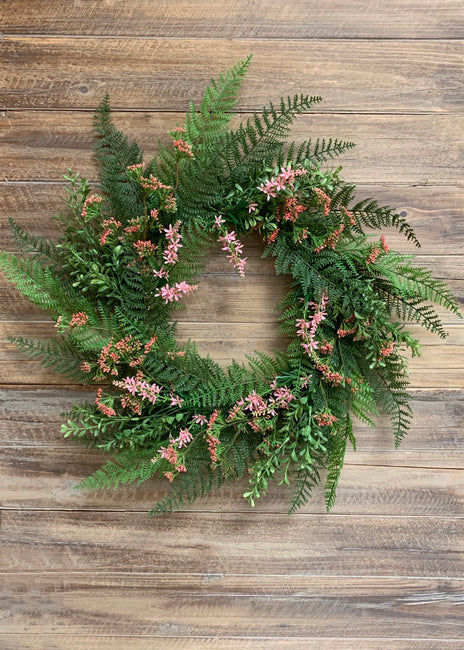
column 128, row 255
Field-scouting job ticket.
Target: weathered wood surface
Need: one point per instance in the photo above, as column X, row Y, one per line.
column 267, row 19
column 157, row 74
column 30, row 416
column 82, row 541
column 46, row 478
column 435, row 212
column 385, row 570
column 74, row 641
column 122, row 603
column 405, row 149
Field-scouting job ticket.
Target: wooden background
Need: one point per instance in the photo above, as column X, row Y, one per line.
column 385, row 569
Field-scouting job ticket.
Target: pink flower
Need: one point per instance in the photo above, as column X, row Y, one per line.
column 325, row 419
column 169, row 453
column 78, row 319
column 184, row 437
column 252, row 207
column 200, row 419
column 218, row 221
column 385, row 246
column 183, row 147
column 170, row 294
column 387, row 350
column 175, row 401
column 375, row 252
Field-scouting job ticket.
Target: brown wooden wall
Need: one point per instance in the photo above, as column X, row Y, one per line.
column 385, row 569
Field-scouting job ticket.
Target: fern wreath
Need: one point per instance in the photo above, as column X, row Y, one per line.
column 131, row 251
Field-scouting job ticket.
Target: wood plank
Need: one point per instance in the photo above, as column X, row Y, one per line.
column 45, row 477
column 228, row 297
column 333, row 545
column 381, row 76
column 409, row 149
column 438, row 366
column 237, row 19
column 31, row 416
column 85, row 641
column 435, row 212
column 241, row 606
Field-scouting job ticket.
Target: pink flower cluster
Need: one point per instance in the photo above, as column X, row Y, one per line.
column 174, row 237
column 323, row 199
column 325, row 419
column 91, row 200
column 326, row 348
column 290, row 210
column 134, row 168
column 144, row 248
column 140, row 388
column 341, row 333
column 331, row 376
column 387, row 350
column 78, row 319
column 375, row 252
column 200, row 419
column 110, row 225
column 183, row 147
column 104, row 408
column 235, row 248
column 332, row 239
column 285, row 180
column 171, row 294
column 349, row 215
column 153, row 184
column 260, row 407
column 110, row 355
column 171, row 453
column 306, row 329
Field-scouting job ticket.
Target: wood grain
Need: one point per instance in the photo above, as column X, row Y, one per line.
column 439, row 365
column 83, row 641
column 435, row 212
column 124, row 604
column 30, row 416
column 385, row 570
column 417, row 150
column 46, row 477
column 382, row 76
column 337, row 545
column 267, row 19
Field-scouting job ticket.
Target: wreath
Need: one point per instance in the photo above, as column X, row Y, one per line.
column 131, row 250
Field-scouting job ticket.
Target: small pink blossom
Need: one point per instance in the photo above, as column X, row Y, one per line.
column 175, row 400
column 184, row 437
column 218, row 221
column 200, row 419
column 78, row 319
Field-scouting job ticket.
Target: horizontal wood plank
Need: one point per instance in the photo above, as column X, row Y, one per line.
column 30, row 416
column 46, row 477
column 181, row 606
column 336, row 545
column 238, row 19
column 435, row 212
column 379, row 76
column 409, row 149
column 83, row 641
